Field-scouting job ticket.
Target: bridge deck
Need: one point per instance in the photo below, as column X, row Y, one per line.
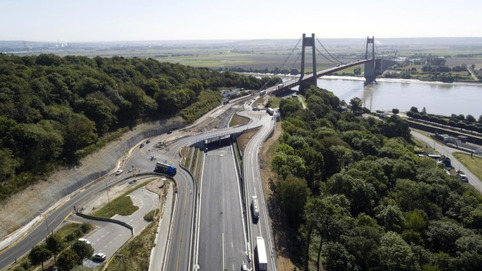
column 293, row 83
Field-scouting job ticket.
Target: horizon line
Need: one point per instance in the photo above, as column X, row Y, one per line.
column 227, row 40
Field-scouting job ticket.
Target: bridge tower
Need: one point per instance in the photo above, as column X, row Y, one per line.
column 307, row 42
column 370, row 67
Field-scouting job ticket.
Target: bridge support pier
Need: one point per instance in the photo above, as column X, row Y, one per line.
column 370, row 67
column 306, row 42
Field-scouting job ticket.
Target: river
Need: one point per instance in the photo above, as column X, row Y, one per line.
column 386, row 94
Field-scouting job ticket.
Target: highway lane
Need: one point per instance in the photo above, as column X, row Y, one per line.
column 140, row 160
column 222, row 237
column 52, row 220
column 180, row 249
column 253, row 187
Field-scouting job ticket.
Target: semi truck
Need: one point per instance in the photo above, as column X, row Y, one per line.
column 255, row 209
column 165, row 168
column 261, row 254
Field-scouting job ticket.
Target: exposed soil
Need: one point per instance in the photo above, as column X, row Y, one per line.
column 239, row 120
column 44, row 195
column 245, row 137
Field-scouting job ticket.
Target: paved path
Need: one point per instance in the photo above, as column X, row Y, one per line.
column 159, row 251
column 447, row 151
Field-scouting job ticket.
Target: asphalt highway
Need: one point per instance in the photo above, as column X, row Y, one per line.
column 180, row 249
column 253, row 187
column 222, row 236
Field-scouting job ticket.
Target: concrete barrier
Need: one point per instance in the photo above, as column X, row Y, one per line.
column 122, row 223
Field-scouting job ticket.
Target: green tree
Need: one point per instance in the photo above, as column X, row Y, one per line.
column 395, row 254
column 68, row 259
column 8, row 164
column 470, row 118
column 329, row 216
column 390, row 217
column 55, row 244
column 441, row 235
column 39, row 254
column 83, row 249
column 291, row 195
column 356, row 104
column 337, row 257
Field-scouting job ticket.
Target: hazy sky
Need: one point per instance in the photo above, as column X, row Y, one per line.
column 124, row 20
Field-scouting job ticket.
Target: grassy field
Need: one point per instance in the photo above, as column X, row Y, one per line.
column 122, row 205
column 474, row 164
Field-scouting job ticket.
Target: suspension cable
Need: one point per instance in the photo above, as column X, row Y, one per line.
column 339, row 62
column 294, row 63
column 282, row 65
column 325, row 57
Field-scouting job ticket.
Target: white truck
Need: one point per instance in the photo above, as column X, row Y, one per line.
column 261, row 253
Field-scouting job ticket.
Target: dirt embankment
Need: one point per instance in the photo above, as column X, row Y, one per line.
column 26, row 205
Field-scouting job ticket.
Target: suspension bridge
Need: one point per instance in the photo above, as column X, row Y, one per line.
column 372, row 65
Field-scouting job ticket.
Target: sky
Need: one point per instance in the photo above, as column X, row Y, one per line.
column 139, row 20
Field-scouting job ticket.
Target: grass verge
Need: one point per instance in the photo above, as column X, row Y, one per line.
column 474, row 164
column 122, row 205
column 136, row 254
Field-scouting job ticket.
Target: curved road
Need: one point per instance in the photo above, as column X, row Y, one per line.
column 181, row 235
column 447, row 151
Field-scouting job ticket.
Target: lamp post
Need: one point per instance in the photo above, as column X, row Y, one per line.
column 47, row 224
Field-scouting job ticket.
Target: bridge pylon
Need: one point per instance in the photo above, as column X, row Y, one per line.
column 370, row 66
column 308, row 42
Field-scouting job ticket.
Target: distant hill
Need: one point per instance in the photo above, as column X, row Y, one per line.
column 127, row 48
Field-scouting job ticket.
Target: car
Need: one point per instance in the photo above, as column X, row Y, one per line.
column 84, row 240
column 142, row 145
column 119, row 172
column 148, row 141
column 99, row 257
column 244, row 267
column 133, row 181
column 169, row 132
column 463, row 178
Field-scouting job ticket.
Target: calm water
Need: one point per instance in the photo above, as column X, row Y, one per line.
column 437, row 98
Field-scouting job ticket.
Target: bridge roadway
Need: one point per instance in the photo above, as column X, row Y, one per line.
column 296, row 82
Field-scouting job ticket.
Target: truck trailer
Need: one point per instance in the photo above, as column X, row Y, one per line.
column 261, row 253
column 165, row 168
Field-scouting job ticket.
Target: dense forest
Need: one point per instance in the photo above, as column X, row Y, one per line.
column 53, row 109
column 356, row 197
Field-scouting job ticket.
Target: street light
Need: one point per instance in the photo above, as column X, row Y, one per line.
column 47, row 223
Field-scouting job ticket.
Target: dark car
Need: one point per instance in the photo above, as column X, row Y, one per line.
column 99, row 257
